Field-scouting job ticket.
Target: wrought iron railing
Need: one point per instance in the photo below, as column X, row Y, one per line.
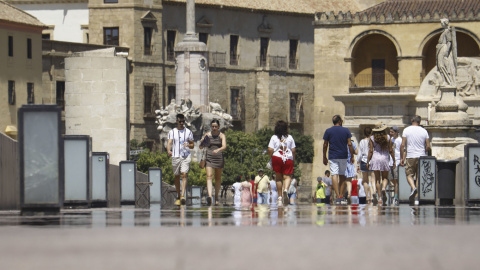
column 368, row 80
column 279, row 62
column 218, row 58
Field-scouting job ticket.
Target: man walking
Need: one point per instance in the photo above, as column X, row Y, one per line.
column 396, row 144
column 181, row 139
column 262, row 184
column 415, row 139
column 336, row 140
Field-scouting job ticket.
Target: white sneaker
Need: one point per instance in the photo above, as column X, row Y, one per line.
column 411, row 198
column 279, row 201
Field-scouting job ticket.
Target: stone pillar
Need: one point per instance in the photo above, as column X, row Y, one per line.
column 190, row 34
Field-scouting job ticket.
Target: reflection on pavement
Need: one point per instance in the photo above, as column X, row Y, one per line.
column 250, row 215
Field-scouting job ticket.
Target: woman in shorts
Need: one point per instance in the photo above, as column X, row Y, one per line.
column 281, row 149
column 367, row 175
column 379, row 158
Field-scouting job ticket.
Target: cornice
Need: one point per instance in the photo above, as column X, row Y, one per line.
column 38, row 2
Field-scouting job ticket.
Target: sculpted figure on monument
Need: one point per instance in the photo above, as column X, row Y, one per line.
column 447, row 54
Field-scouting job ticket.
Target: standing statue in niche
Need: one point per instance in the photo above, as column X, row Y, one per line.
column 447, row 54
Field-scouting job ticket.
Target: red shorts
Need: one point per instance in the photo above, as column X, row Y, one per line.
column 280, row 167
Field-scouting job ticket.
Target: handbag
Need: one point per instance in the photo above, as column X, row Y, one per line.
column 269, row 164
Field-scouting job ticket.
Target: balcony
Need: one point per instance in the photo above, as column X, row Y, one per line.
column 274, row 62
column 218, row 58
column 366, row 82
column 147, row 50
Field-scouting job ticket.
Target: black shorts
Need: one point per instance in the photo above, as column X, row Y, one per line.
column 362, row 200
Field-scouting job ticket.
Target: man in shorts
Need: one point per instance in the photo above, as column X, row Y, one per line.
column 393, row 175
column 180, row 141
column 262, row 185
column 415, row 139
column 336, row 140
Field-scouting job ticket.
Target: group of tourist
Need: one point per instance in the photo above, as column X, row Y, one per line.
column 379, row 156
column 281, row 149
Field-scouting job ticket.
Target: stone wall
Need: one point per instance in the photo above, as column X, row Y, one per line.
column 96, row 98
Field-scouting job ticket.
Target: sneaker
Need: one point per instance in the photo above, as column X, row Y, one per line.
column 384, row 197
column 375, row 199
column 279, row 201
column 209, row 201
column 411, row 198
column 395, row 202
column 286, row 200
column 182, row 200
column 338, row 201
column 177, row 202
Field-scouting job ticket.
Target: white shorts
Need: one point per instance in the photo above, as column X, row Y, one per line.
column 354, row 200
column 337, row 166
column 181, row 164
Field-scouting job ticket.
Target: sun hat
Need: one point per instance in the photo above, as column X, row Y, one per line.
column 379, row 126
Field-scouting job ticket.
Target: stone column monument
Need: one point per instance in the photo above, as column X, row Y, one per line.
column 450, row 127
column 192, row 65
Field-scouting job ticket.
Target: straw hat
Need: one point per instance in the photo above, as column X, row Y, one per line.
column 379, row 126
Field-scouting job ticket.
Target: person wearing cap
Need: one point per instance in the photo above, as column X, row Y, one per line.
column 325, row 184
column 396, row 143
column 378, row 159
column 262, row 184
column 337, row 139
column 416, row 142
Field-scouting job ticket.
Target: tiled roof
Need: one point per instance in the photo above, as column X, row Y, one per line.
column 288, row 6
column 422, row 6
column 13, row 14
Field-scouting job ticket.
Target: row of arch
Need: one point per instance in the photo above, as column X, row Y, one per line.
column 375, row 53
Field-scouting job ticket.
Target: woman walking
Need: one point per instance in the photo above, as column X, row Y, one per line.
column 246, row 193
column 214, row 158
column 272, row 194
column 378, row 157
column 367, row 175
column 281, row 149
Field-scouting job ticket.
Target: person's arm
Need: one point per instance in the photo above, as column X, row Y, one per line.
column 294, row 152
column 370, row 153
column 325, row 147
column 402, row 151
column 270, row 152
column 169, row 147
column 203, row 138
column 428, row 147
column 392, row 154
column 350, row 147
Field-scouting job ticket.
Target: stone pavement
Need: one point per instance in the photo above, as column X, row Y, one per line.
column 298, row 237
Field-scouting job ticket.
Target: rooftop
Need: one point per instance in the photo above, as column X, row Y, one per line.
column 11, row 13
column 287, row 6
column 423, row 6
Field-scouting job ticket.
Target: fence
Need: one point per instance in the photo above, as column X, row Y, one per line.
column 9, row 183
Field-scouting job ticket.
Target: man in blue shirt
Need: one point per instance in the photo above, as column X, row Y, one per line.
column 336, row 140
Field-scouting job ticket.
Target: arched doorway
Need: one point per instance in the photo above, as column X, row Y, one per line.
column 374, row 64
column 466, row 47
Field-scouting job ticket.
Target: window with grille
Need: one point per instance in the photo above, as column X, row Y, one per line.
column 30, row 94
column 11, row 92
column 147, row 40
column 236, row 103
column 171, row 35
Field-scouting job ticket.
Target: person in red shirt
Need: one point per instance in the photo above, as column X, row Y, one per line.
column 252, row 178
column 355, row 188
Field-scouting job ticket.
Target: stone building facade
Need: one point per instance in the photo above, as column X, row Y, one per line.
column 21, row 63
column 377, row 64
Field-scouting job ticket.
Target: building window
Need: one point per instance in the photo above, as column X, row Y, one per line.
column 236, row 103
column 111, row 36
column 172, row 93
column 203, row 37
column 171, row 34
column 293, row 61
column 46, row 36
column 296, row 108
column 378, row 72
column 263, row 52
column 147, row 40
column 10, row 46
column 233, row 50
column 11, row 92
column 60, row 100
column 29, row 48
column 30, row 94
column 150, row 103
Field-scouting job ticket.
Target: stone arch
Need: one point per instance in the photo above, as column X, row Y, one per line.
column 468, row 45
column 374, row 61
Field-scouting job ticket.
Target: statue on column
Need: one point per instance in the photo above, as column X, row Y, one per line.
column 447, row 54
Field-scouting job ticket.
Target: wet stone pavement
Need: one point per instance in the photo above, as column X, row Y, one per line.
column 227, row 237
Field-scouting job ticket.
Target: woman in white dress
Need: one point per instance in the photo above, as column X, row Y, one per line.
column 273, row 194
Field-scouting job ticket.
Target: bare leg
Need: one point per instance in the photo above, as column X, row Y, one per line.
column 384, row 180
column 279, row 180
column 287, row 180
column 378, row 180
column 342, row 180
column 218, row 183
column 209, row 171
column 177, row 185
column 335, row 185
column 184, row 183
column 366, row 187
column 348, row 181
column 372, row 183
column 410, row 181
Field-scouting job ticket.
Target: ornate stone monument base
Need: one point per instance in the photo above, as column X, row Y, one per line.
column 450, row 110
column 448, row 141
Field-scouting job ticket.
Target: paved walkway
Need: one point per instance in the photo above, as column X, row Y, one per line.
column 298, row 237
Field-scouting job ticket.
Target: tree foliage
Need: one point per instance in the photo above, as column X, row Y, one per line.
column 245, row 154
